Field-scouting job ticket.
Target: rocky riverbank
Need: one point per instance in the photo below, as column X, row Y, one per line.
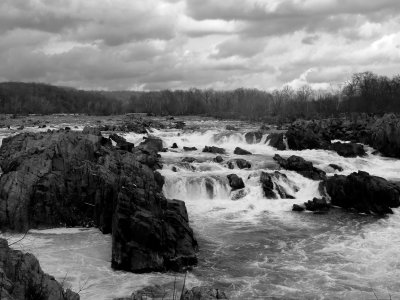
column 68, row 178
column 21, row 277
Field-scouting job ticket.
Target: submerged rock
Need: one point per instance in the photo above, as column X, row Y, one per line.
column 23, row 278
column 73, row 179
column 301, row 166
column 213, row 149
column 239, row 194
column 272, row 189
column 240, row 163
column 235, row 182
column 189, row 160
column 363, row 193
column 240, row 151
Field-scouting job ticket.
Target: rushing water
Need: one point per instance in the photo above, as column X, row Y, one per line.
column 254, row 248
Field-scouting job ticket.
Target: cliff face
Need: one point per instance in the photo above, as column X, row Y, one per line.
column 70, row 178
column 22, row 278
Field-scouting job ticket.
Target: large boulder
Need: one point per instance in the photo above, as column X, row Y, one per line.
column 277, row 140
column 348, row 149
column 23, row 278
column 306, row 135
column 301, row 166
column 240, row 151
column 74, row 179
column 235, row 182
column 253, row 137
column 363, row 193
column 384, row 135
column 213, row 149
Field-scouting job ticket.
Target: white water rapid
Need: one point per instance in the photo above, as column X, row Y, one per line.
column 250, row 246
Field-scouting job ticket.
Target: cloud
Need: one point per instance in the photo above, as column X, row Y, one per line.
column 158, row 44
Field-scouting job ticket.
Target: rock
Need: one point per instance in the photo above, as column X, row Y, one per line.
column 21, row 127
column 239, row 194
column 67, row 128
column 122, row 143
column 348, row 149
column 235, row 182
column 363, row 193
column 240, row 163
column 73, row 179
column 277, row 140
column 218, row 159
column 23, row 278
column 272, row 189
column 151, row 292
column 297, row 207
column 189, row 148
column 306, row 135
column 384, row 135
column 316, row 204
column 301, row 166
column 240, row 151
column 151, row 144
column 336, row 167
column 174, row 146
column 213, row 149
column 91, row 130
column 174, row 169
column 253, row 137
column 180, row 125
column 231, row 127
column 189, row 159
column 203, row 293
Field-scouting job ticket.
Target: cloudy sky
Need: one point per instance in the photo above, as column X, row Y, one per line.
column 221, row 44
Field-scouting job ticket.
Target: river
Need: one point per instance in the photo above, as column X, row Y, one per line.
column 253, row 248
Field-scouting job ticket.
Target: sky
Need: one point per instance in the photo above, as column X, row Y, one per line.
column 179, row 44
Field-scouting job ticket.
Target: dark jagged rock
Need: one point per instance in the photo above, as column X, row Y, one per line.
column 240, row 151
column 23, row 278
column 151, row 144
column 122, row 143
column 189, row 148
column 203, row 293
column 174, row 146
column 253, row 137
column 363, row 193
column 277, row 140
column 74, row 179
column 240, row 163
column 91, row 130
column 297, row 207
column 317, row 205
column 272, row 189
column 348, row 149
column 218, row 159
column 235, row 182
column 231, row 127
column 301, row 166
column 336, row 167
column 213, row 149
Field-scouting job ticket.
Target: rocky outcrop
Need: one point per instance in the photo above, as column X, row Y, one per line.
column 271, row 188
column 235, row 182
column 189, row 148
column 73, row 179
column 121, row 142
column 213, row 149
column 239, row 163
column 240, row 151
column 301, row 166
column 253, row 137
column 363, row 193
column 277, row 140
column 348, row 149
column 317, row 205
column 22, row 278
column 384, row 135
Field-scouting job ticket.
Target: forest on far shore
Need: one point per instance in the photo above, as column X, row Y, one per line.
column 364, row 93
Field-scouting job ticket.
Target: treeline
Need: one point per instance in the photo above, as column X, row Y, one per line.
column 365, row 92
column 37, row 98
